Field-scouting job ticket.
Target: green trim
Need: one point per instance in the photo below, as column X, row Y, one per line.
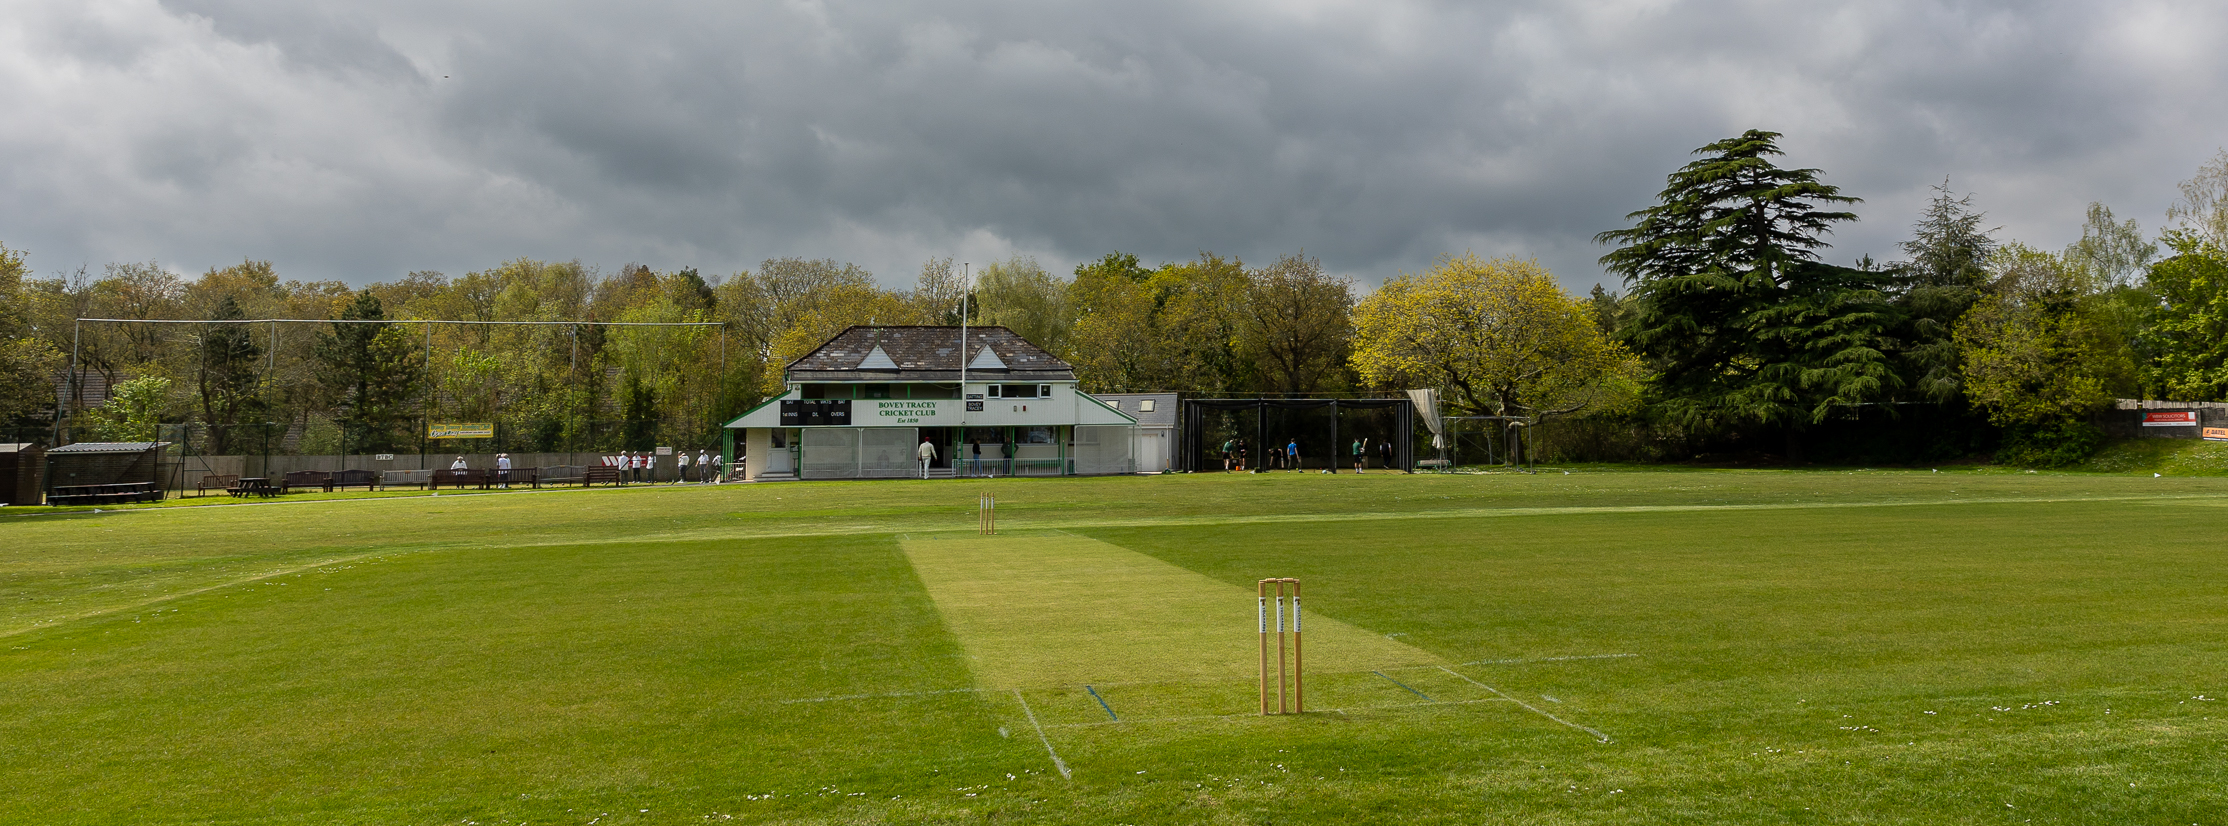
column 1109, row 408
column 760, row 406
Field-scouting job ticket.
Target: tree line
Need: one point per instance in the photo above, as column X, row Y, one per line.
column 1728, row 333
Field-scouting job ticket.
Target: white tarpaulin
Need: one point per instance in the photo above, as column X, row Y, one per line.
column 1427, row 407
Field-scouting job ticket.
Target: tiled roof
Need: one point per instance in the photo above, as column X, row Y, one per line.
column 926, row 353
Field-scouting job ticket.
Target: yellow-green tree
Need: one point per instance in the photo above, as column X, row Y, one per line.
column 2042, row 351
column 1498, row 338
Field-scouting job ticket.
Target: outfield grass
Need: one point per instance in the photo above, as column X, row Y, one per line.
column 1696, row 647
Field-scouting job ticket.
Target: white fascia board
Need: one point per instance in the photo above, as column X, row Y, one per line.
column 766, row 414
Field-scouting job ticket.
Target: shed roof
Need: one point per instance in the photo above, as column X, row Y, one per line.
column 108, row 447
column 1163, row 413
column 922, row 353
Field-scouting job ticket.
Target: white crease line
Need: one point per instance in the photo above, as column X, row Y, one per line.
column 879, row 696
column 1596, row 733
column 1047, row 741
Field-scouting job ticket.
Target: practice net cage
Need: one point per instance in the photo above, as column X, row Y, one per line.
column 1326, row 432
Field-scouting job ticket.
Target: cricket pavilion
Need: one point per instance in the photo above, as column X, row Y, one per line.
column 859, row 406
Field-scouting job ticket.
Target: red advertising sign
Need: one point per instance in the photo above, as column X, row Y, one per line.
column 2216, row 434
column 2170, row 418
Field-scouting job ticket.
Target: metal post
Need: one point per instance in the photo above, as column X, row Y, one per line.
column 77, row 336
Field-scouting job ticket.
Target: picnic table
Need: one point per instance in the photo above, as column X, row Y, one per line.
column 259, row 486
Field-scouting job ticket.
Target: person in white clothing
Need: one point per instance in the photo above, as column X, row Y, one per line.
column 458, row 464
column 642, row 466
column 681, row 459
column 927, row 454
column 503, row 469
column 704, row 465
column 719, row 469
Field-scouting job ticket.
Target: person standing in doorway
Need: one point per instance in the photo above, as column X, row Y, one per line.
column 926, row 453
column 975, row 449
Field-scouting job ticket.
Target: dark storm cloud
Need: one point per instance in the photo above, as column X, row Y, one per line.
column 359, row 142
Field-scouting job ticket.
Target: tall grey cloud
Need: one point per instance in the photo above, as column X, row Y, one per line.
column 360, row 141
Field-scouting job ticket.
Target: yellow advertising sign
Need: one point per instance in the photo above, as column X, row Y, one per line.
column 460, row 430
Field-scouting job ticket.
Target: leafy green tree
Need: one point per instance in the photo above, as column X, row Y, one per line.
column 2042, row 352
column 133, row 410
column 228, row 378
column 1019, row 295
column 1297, row 324
column 1734, row 314
column 1945, row 274
column 2187, row 331
column 1113, row 346
column 374, row 375
column 2203, row 209
column 27, row 363
column 2110, row 254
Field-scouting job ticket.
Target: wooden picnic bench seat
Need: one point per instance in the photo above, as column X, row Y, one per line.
column 559, row 474
column 469, row 477
column 607, row 475
column 366, row 479
column 110, row 494
column 213, row 481
column 306, row 479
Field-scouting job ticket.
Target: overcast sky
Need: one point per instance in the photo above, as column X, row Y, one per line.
column 359, row 141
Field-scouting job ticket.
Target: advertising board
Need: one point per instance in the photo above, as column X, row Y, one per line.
column 2170, row 418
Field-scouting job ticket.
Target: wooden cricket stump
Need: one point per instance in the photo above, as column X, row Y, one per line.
column 1287, row 673
column 986, row 514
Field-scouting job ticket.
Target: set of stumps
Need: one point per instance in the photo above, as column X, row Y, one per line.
column 986, row 514
column 1272, row 596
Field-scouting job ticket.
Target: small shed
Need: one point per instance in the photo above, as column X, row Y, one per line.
column 104, row 463
column 22, row 469
column 1156, row 417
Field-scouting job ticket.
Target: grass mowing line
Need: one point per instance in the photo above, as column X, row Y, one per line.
column 1572, row 658
column 102, row 612
column 1047, row 741
column 1528, row 706
column 841, row 697
column 1341, row 710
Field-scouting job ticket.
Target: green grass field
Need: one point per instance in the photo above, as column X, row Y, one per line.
column 1610, row 647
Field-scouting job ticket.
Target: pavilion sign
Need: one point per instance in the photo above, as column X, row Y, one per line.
column 460, row 430
column 2170, row 418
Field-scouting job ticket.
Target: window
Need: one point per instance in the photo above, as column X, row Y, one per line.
column 1114, row 403
column 1014, row 391
column 874, row 391
column 1044, row 391
column 1144, row 405
column 935, row 391
column 822, row 391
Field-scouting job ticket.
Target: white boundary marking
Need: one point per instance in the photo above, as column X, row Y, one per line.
column 1057, row 763
column 1528, row 706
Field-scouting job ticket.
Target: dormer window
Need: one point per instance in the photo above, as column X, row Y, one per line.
column 1144, row 405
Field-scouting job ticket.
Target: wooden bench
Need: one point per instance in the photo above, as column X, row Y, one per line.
column 212, row 481
column 529, row 476
column 366, row 479
column 559, row 474
column 611, row 475
column 460, row 479
column 391, row 478
column 306, row 479
column 112, row 494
